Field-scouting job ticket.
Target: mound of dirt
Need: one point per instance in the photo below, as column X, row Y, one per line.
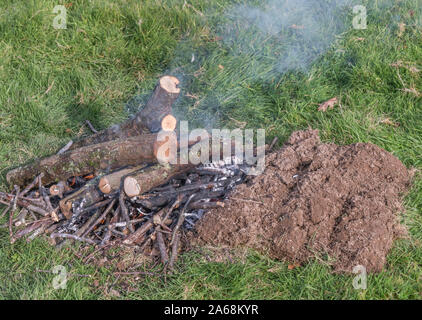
column 315, row 199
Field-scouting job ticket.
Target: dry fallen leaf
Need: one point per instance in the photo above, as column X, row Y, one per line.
column 389, row 122
column 359, row 39
column 329, row 104
column 292, row 266
column 220, row 67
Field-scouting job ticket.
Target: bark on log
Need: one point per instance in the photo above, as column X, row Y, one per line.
column 102, row 156
column 165, row 148
column 81, row 199
column 145, row 121
column 162, row 247
column 155, row 202
column 151, row 177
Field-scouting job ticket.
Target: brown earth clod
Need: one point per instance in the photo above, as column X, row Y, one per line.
column 316, row 199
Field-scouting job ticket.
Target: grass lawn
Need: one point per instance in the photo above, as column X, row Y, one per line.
column 260, row 73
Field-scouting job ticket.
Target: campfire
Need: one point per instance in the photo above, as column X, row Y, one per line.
column 113, row 187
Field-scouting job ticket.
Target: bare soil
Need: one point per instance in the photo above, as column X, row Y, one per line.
column 338, row 203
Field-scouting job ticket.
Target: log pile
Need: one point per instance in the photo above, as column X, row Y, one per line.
column 76, row 210
column 108, row 188
column 120, row 145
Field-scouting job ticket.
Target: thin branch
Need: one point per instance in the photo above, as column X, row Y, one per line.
column 100, row 218
column 65, row 148
column 124, row 211
column 12, row 212
column 162, row 247
column 91, row 127
column 72, row 236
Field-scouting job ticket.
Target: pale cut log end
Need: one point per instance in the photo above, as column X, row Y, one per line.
column 55, row 190
column 168, row 123
column 169, row 83
column 131, row 187
column 59, row 188
column 104, row 185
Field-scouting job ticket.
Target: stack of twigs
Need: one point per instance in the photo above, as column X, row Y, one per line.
column 152, row 221
column 108, row 187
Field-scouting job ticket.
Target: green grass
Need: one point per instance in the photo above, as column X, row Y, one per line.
column 106, row 62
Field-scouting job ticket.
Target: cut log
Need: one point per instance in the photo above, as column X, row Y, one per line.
column 159, row 105
column 168, row 123
column 59, row 188
column 103, row 156
column 151, row 177
column 147, row 120
column 111, row 182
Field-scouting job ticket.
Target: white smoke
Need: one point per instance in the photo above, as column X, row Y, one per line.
column 298, row 30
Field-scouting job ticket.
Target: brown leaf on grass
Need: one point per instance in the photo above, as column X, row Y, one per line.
column 359, row 39
column 220, row 67
column 293, row 266
column 389, row 122
column 329, row 104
